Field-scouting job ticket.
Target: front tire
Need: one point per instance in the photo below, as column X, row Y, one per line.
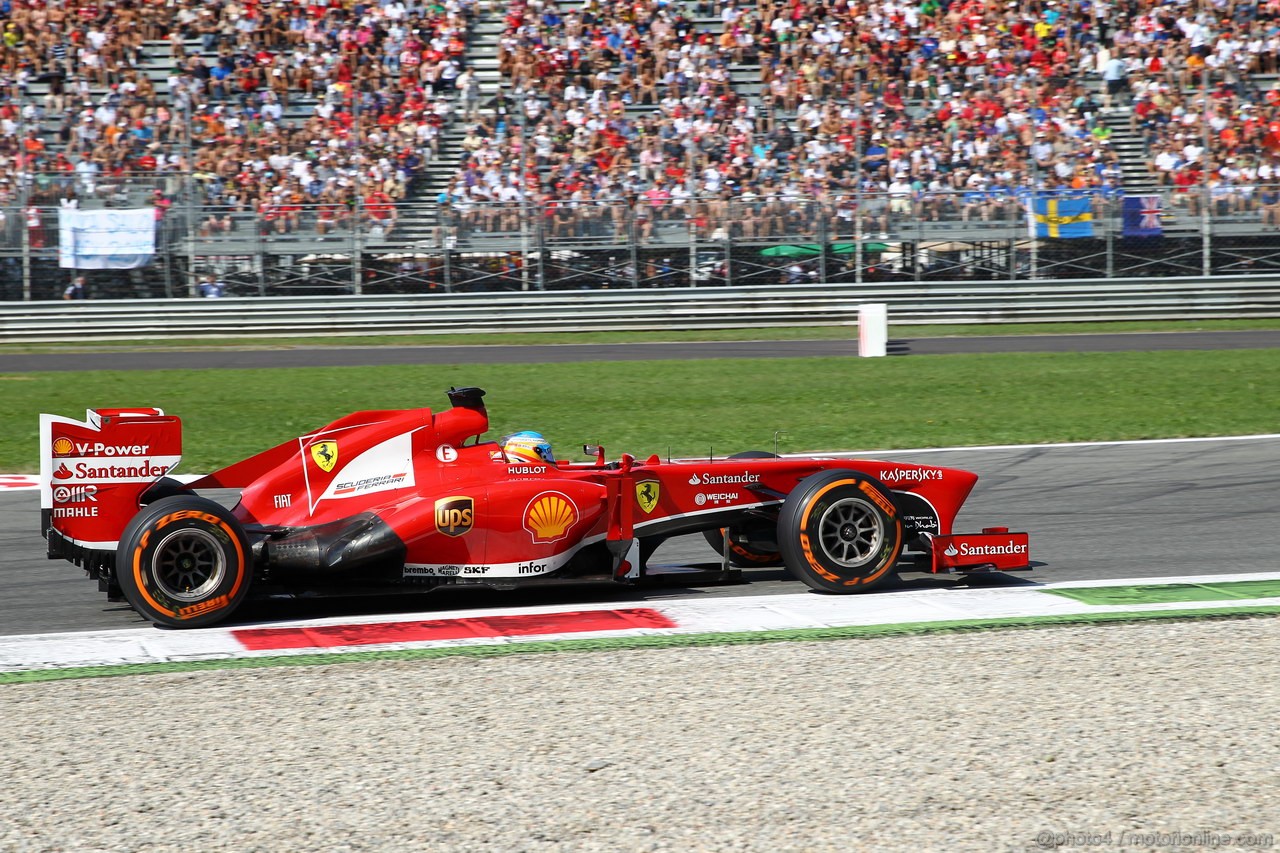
column 839, row 531
column 184, row 562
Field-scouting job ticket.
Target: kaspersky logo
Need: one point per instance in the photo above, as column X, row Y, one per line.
column 647, row 492
column 325, row 454
column 549, row 516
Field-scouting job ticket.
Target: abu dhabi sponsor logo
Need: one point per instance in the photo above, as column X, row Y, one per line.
column 144, row 471
column 909, row 475
column 703, row 498
column 925, row 523
column 744, row 479
column 967, row 550
column 75, row 494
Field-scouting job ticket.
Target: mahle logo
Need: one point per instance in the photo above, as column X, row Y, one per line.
column 455, row 515
column 325, row 454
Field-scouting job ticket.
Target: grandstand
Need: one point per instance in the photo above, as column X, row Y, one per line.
column 305, row 146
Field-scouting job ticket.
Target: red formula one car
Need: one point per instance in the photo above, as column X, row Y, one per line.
column 412, row 499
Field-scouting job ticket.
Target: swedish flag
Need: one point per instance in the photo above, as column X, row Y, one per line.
column 1059, row 217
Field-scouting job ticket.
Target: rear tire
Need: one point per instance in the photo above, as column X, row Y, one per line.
column 839, row 531
column 184, row 562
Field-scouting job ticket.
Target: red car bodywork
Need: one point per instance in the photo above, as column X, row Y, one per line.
column 414, row 497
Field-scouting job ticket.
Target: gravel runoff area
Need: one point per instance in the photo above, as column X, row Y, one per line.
column 980, row 741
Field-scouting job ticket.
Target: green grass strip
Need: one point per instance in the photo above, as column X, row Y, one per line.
column 847, row 331
column 1169, row 593
column 666, row 641
column 695, row 408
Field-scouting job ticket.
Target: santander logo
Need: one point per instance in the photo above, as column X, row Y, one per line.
column 951, row 551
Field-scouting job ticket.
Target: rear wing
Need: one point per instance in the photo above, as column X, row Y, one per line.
column 93, row 472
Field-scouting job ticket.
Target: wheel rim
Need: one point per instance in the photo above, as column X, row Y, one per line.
column 851, row 532
column 189, row 564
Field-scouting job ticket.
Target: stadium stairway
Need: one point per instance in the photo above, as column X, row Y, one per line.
column 1128, row 145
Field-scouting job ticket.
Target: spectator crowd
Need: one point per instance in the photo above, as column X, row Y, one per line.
column 745, row 118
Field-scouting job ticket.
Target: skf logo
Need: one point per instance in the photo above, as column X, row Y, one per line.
column 549, row 516
column 454, row 516
column 325, row 454
column 63, row 447
column 647, row 492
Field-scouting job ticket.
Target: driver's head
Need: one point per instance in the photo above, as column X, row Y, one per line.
column 528, row 446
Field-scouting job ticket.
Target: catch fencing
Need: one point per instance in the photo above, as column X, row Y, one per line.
column 742, row 238
column 666, row 309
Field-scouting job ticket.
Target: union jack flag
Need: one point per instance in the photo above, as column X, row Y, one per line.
column 1141, row 216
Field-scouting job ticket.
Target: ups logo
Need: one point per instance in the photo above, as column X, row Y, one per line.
column 454, row 516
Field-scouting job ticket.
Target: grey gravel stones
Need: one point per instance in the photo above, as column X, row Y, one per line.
column 958, row 742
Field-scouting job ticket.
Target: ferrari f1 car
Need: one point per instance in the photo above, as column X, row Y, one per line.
column 414, row 499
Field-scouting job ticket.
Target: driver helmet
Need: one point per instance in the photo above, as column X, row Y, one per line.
column 528, row 446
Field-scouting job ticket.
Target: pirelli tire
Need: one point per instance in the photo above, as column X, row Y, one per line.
column 742, row 553
column 184, row 562
column 839, row 531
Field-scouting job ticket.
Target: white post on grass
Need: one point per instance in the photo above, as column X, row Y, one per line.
column 873, row 330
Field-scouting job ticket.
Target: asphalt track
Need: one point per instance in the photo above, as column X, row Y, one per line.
column 1122, row 510
column 338, row 356
column 1147, row 509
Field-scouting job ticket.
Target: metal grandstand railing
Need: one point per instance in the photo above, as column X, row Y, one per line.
column 645, row 242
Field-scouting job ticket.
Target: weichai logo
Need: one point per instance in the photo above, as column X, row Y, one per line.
column 455, row 515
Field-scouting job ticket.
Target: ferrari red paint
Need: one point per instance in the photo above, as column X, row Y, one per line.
column 414, row 499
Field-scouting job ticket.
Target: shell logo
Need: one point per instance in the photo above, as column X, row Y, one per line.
column 62, row 447
column 549, row 516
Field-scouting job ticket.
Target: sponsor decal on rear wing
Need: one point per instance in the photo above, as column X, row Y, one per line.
column 92, row 472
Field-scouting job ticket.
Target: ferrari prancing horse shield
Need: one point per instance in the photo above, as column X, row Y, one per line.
column 647, row 492
column 325, row 454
